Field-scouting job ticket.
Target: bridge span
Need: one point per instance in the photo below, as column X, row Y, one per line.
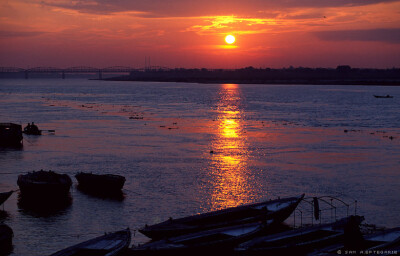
column 79, row 69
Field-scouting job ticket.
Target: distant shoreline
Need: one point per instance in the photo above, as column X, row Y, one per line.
column 294, row 82
column 342, row 75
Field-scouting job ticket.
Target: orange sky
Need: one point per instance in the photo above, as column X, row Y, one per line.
column 179, row 33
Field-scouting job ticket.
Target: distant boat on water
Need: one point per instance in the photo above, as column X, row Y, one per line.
column 10, row 134
column 100, row 182
column 32, row 129
column 44, row 183
column 383, row 96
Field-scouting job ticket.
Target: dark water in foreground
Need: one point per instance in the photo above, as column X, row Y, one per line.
column 268, row 141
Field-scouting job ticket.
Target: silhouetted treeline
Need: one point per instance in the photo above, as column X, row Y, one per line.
column 341, row 75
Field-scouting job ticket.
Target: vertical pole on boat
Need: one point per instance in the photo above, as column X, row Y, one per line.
column 355, row 207
column 312, row 213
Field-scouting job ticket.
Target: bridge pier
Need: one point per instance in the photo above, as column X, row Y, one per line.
column 63, row 75
column 100, row 75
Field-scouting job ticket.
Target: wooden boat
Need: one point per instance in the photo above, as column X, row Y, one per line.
column 385, row 242
column 279, row 210
column 6, row 235
column 32, row 129
column 4, row 196
column 303, row 240
column 44, row 183
column 10, row 134
column 100, row 182
column 214, row 241
column 107, row 245
column 383, row 96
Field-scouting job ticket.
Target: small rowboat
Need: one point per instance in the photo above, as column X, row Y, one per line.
column 277, row 210
column 100, row 182
column 43, row 183
column 383, row 96
column 213, row 242
column 303, row 240
column 4, row 196
column 107, row 245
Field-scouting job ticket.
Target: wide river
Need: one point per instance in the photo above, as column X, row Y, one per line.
column 192, row 148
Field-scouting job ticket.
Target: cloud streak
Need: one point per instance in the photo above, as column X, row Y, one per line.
column 379, row 35
column 185, row 8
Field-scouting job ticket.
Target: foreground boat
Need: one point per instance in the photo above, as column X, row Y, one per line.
column 100, row 182
column 214, row 241
column 386, row 242
column 278, row 210
column 4, row 196
column 6, row 235
column 301, row 241
column 10, row 134
column 107, row 245
column 44, row 183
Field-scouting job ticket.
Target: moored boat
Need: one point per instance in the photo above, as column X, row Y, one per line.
column 100, row 182
column 277, row 210
column 303, row 240
column 110, row 244
column 214, row 241
column 4, row 196
column 44, row 183
column 10, row 134
column 6, row 235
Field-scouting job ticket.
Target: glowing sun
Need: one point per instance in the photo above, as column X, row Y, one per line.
column 229, row 39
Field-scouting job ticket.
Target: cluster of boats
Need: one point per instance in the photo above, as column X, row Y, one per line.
column 252, row 229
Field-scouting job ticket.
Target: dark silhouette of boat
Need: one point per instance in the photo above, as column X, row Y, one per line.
column 380, row 242
column 10, row 134
column 32, row 129
column 110, row 244
column 100, row 182
column 44, row 183
column 303, row 240
column 6, row 236
column 220, row 241
column 383, row 96
column 278, row 210
column 4, row 196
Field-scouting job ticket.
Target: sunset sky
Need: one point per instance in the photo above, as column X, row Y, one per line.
column 181, row 33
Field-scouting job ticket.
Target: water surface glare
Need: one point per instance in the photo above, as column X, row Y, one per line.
column 192, row 148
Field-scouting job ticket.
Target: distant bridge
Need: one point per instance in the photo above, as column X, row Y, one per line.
column 80, row 69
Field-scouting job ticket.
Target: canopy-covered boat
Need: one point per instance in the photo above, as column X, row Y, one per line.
column 10, row 134
column 215, row 241
column 4, row 196
column 303, row 240
column 110, row 244
column 100, row 182
column 386, row 242
column 278, row 210
column 44, row 183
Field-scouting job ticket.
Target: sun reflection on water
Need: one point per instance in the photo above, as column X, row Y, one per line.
column 229, row 168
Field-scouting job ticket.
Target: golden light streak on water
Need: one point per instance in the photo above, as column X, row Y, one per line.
column 229, row 162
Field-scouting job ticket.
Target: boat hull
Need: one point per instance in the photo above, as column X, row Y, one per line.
column 277, row 210
column 100, row 183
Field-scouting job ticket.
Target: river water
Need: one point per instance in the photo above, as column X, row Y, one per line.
column 191, row 148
